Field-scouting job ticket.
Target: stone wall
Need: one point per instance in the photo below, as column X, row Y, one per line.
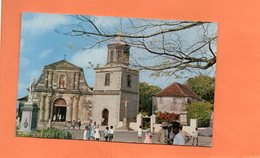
column 170, row 104
column 109, row 102
column 115, row 78
column 157, row 127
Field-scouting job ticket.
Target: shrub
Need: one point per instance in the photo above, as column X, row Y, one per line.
column 200, row 111
column 54, row 133
column 47, row 133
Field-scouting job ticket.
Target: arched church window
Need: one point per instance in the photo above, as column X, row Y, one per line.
column 62, row 81
column 129, row 80
column 107, row 79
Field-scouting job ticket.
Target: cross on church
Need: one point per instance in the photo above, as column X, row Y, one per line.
column 126, row 111
column 64, row 56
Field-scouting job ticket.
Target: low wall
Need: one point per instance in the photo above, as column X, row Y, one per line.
column 134, row 125
column 191, row 128
column 157, row 127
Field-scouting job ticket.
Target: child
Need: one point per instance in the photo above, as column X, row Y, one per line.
column 111, row 134
column 106, row 133
column 148, row 136
column 139, row 134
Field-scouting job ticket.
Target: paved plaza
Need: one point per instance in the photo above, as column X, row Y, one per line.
column 131, row 136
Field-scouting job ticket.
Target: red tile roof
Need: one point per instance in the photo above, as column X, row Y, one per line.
column 177, row 90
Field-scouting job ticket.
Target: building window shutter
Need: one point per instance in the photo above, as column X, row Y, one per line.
column 107, row 80
column 129, row 80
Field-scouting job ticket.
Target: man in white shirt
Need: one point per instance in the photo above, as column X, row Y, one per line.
column 178, row 139
column 140, row 134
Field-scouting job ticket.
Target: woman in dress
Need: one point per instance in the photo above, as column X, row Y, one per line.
column 85, row 133
column 93, row 131
column 89, row 131
column 97, row 133
column 148, row 136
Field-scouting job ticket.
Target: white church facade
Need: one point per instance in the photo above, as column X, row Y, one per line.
column 62, row 94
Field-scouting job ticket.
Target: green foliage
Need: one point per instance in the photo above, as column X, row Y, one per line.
column 203, row 86
column 201, row 111
column 55, row 133
column 145, row 100
column 20, row 134
column 47, row 133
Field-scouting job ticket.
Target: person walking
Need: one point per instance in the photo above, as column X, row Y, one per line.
column 162, row 135
column 111, row 133
column 195, row 135
column 139, row 134
column 106, row 133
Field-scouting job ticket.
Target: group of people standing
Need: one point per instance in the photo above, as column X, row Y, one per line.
column 173, row 134
column 169, row 134
column 73, row 124
column 92, row 132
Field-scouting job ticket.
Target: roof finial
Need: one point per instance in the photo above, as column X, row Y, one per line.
column 121, row 27
column 119, row 38
column 64, row 56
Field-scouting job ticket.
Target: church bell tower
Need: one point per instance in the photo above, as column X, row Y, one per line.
column 114, row 82
column 118, row 52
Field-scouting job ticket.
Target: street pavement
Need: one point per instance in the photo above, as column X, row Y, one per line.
column 131, row 136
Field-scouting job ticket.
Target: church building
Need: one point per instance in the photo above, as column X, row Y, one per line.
column 62, row 94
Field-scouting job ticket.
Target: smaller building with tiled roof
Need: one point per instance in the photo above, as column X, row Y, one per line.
column 174, row 98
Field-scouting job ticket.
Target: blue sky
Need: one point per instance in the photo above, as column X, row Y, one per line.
column 41, row 45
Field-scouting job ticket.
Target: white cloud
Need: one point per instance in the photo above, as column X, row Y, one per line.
column 41, row 23
column 45, row 53
column 95, row 56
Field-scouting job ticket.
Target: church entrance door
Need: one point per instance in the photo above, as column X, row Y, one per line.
column 104, row 121
column 59, row 110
